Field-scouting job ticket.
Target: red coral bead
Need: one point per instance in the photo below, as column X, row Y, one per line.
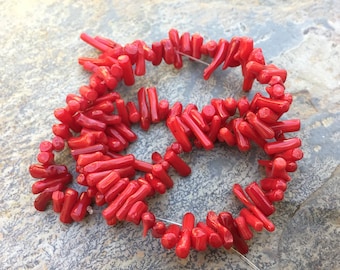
column 148, row 220
column 135, row 213
column 171, row 236
column 70, row 199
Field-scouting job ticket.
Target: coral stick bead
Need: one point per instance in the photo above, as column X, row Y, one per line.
column 199, row 239
column 125, row 64
column 268, row 184
column 80, row 208
column 43, row 199
column 139, row 195
column 213, row 222
column 57, row 200
column 99, row 166
column 242, row 142
column 251, row 219
column 107, row 182
column 171, row 236
column 70, row 199
column 134, row 115
column 281, row 146
column 185, row 44
column 153, row 102
column 89, row 123
column 275, row 195
column 148, row 220
column 242, row 228
column 135, row 213
column 110, row 212
column 157, row 48
column 116, row 189
column 196, row 43
column 162, row 175
column 41, row 185
column 177, row 163
column 145, row 117
column 183, row 246
column 199, row 134
column 260, row 200
column 265, row 131
column 159, row 229
column 226, row 219
column 219, row 57
column 213, row 237
column 177, row 131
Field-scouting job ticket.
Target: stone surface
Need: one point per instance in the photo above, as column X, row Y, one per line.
column 40, row 46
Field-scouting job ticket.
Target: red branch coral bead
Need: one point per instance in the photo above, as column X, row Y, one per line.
column 251, row 219
column 208, row 112
column 157, row 48
column 58, row 143
column 70, row 199
column 275, row 195
column 200, row 135
column 159, row 172
column 199, row 239
column 177, row 131
column 41, row 202
column 153, row 102
column 213, row 237
column 89, row 123
column 279, row 147
column 184, row 243
column 111, row 211
column 259, row 199
column 226, row 219
column 125, row 64
column 149, row 221
column 242, row 228
column 238, row 191
column 116, row 189
column 134, row 115
column 159, row 229
column 46, row 146
column 140, row 194
column 145, row 117
column 80, row 209
column 107, row 182
column 242, row 142
column 262, row 129
column 226, row 236
column 219, row 57
column 171, row 236
column 45, row 158
column 179, row 164
column 268, row 184
column 136, row 211
column 196, row 43
column 99, row 166
column 57, row 200
column 41, row 185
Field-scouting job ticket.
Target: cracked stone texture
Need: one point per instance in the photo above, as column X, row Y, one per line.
column 40, row 45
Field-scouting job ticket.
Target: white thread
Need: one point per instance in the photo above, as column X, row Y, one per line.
column 246, row 260
column 168, row 221
column 89, row 209
column 193, row 58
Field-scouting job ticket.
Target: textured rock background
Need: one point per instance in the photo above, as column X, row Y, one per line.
column 39, row 49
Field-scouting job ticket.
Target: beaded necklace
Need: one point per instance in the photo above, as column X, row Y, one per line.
column 97, row 127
